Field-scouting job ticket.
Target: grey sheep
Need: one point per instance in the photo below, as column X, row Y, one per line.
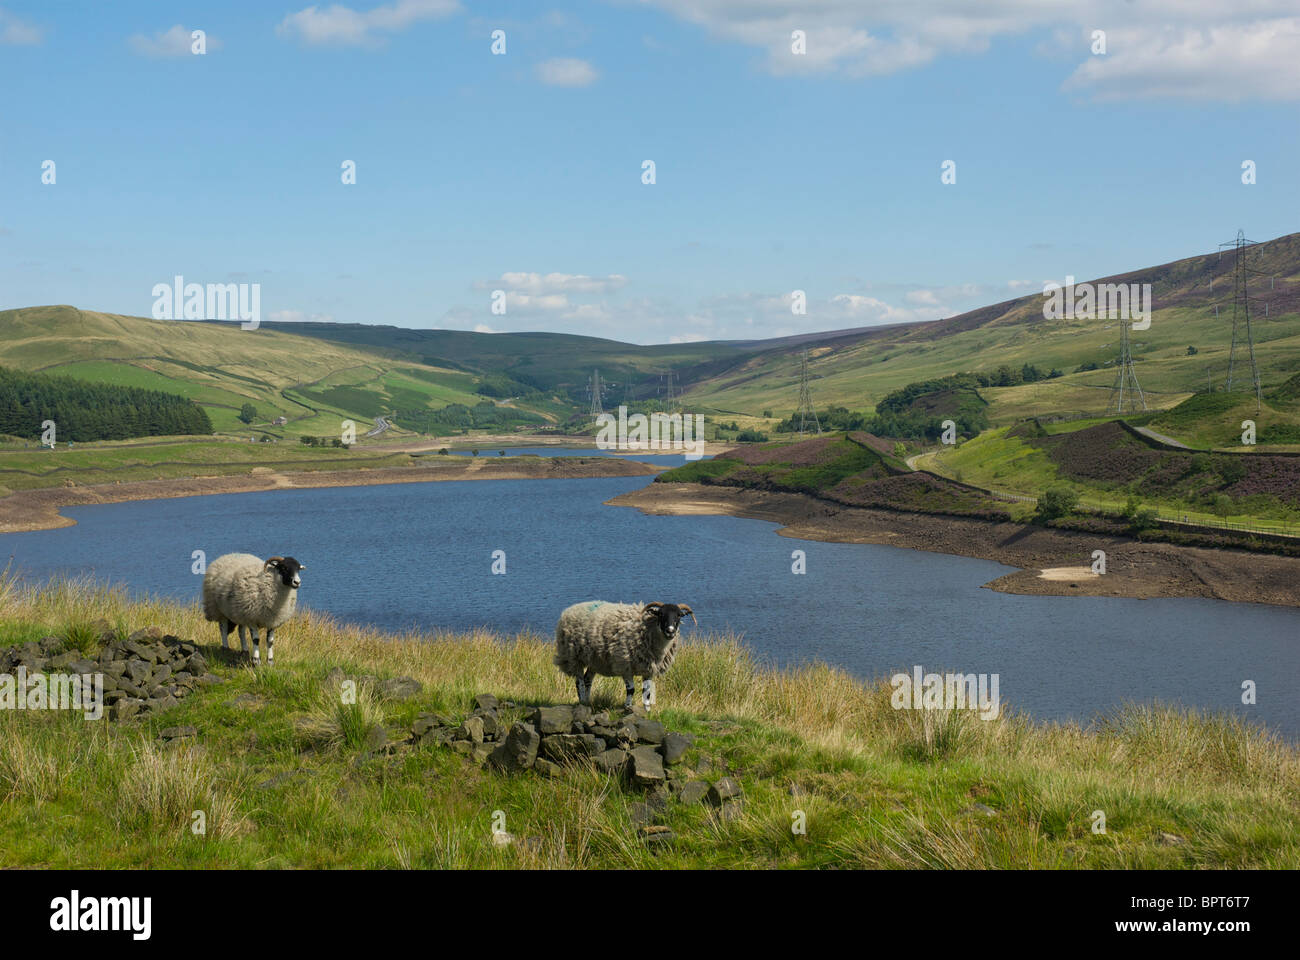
column 627, row 640
column 242, row 590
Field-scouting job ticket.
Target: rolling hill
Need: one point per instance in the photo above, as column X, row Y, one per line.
column 315, row 374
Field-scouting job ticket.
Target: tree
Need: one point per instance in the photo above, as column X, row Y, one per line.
column 1057, row 502
column 248, row 413
column 1192, row 351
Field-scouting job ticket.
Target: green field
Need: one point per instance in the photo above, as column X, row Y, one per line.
column 290, row 776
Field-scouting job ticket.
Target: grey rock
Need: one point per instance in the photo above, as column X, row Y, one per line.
column 612, row 761
column 646, row 766
column 732, row 810
column 115, row 667
column 471, row 729
column 161, row 673
column 552, row 719
column 693, row 791
column 547, row 768
column 566, row 747
column 60, row 661
column 485, row 701
column 675, row 746
column 178, row 733
column 139, row 671
column 400, row 688
column 519, row 749
column 426, row 722
column 641, row 813
column 126, row 708
column 723, row 790
column 479, row 752
column 655, row 834
column 649, row 731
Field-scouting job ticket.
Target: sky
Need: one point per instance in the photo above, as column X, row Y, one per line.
column 523, row 172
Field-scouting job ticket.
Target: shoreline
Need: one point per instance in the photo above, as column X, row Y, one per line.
column 25, row 511
column 1051, row 562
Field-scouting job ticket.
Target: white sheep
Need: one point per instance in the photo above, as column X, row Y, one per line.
column 627, row 640
column 242, row 590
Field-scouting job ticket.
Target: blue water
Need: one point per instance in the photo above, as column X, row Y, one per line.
column 419, row 555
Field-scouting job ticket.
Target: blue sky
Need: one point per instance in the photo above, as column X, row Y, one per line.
column 522, row 172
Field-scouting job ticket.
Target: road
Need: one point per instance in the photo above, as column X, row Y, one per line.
column 380, row 426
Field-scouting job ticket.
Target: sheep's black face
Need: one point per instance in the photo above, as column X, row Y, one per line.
column 669, row 616
column 288, row 570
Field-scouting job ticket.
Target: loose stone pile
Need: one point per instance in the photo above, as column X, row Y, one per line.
column 148, row 672
column 548, row 738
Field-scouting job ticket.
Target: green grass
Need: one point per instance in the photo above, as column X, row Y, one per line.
column 279, row 771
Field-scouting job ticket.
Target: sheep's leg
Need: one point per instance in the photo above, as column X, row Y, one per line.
column 270, row 648
column 628, row 687
column 257, row 656
column 648, row 692
column 243, row 640
column 225, row 626
column 584, row 691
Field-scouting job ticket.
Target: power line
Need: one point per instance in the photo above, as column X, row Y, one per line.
column 596, row 408
column 1241, row 329
column 806, row 411
column 1126, row 386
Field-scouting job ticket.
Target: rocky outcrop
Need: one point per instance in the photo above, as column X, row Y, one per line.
column 545, row 740
column 145, row 673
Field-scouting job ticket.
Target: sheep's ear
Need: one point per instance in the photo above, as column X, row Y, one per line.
column 271, row 562
column 651, row 608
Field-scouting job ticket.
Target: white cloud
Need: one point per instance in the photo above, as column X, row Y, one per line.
column 1219, row 51
column 1227, row 62
column 556, row 283
column 338, row 25
column 566, row 72
column 18, row 33
column 175, row 42
column 484, row 328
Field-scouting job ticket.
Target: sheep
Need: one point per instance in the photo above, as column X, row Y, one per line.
column 618, row 640
column 241, row 590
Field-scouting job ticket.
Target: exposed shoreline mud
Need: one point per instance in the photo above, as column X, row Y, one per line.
column 28, row 510
column 1048, row 559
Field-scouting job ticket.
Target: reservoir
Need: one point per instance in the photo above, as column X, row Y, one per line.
column 419, row 556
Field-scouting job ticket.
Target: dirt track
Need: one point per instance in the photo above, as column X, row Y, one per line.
column 1133, row 569
column 39, row 509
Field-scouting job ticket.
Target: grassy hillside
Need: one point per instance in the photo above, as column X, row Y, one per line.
column 313, row 383
column 859, row 371
column 852, row 469
column 1107, row 465
column 288, row 776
